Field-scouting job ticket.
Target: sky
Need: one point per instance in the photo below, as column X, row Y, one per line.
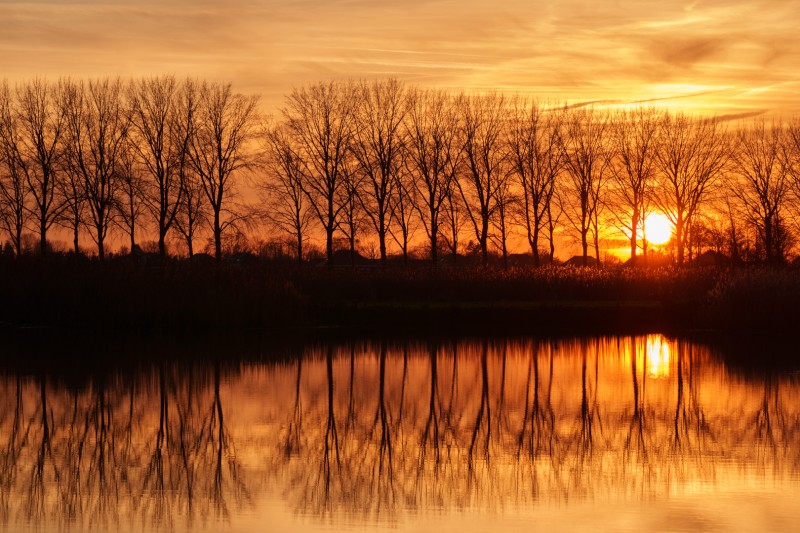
column 731, row 58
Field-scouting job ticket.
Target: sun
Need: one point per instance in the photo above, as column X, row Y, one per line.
column 658, row 228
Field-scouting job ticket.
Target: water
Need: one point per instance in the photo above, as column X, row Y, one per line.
column 607, row 434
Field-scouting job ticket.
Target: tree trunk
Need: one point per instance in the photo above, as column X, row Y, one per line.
column 596, row 248
column 485, row 239
column 75, row 229
column 382, row 242
column 329, row 244
column 299, row 248
column 634, row 227
column 42, row 236
column 585, row 245
column 534, row 242
column 217, row 237
column 101, row 249
column 434, row 244
column 18, row 240
column 679, row 238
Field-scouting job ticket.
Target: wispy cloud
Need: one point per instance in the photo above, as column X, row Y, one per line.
column 570, row 50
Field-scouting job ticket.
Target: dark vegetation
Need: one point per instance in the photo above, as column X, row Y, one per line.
column 147, row 293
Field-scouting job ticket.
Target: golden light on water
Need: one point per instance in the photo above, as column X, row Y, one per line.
column 412, row 436
column 658, row 356
column 658, row 229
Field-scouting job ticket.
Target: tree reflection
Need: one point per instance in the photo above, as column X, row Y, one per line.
column 372, row 429
column 113, row 455
column 484, row 416
column 635, row 442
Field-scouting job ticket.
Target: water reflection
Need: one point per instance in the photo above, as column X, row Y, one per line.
column 380, row 431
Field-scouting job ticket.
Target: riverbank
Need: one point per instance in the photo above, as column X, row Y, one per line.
column 135, row 295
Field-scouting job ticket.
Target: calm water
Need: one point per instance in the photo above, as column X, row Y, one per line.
column 607, row 434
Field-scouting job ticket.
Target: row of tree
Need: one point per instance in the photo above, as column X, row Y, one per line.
column 102, row 154
column 384, row 159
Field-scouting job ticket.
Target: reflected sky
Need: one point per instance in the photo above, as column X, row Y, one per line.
column 605, row 434
column 728, row 57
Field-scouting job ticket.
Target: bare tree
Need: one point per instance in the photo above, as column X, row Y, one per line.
column 587, row 169
column 72, row 190
column 536, row 153
column 433, row 155
column 218, row 150
column 763, row 183
column 378, row 144
column 507, row 203
column 352, row 218
column 791, row 156
column 321, row 119
column 555, row 209
column 98, row 121
column 453, row 220
column 282, row 188
column 162, row 124
column 192, row 210
column 38, row 153
column 634, row 137
column 484, row 160
column 130, row 201
column 692, row 154
column 402, row 219
column 14, row 190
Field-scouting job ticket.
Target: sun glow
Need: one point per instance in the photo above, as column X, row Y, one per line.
column 658, row 228
column 657, row 354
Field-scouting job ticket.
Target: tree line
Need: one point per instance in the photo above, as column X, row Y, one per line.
column 389, row 162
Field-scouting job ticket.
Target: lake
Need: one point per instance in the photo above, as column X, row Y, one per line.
column 637, row 433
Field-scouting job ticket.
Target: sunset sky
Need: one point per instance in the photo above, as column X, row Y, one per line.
column 727, row 57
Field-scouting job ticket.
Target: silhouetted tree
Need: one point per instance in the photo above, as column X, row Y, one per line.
column 14, row 192
column 223, row 127
column 484, row 162
column 759, row 162
column 692, row 155
column 402, row 219
column 433, row 155
column 192, row 210
column 162, row 126
column 587, row 161
column 321, row 119
column 633, row 167
column 536, row 155
column 282, row 188
column 97, row 127
column 453, row 218
column 40, row 116
column 508, row 205
column 131, row 194
column 353, row 218
column 378, row 145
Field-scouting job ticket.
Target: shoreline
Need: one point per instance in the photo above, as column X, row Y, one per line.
column 182, row 297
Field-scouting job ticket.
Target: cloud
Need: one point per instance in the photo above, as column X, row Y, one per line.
column 568, row 50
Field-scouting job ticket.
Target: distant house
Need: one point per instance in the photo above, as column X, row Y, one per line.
column 712, row 258
column 579, row 260
column 650, row 260
column 347, row 258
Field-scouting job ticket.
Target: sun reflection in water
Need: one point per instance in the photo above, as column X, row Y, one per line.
column 657, row 353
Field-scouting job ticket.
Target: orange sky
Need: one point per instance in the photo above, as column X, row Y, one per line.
column 731, row 57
